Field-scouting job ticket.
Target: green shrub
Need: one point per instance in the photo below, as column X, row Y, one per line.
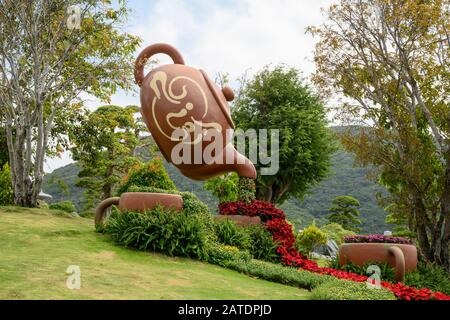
column 310, row 237
column 222, row 255
column 6, row 189
column 338, row 289
column 176, row 234
column 246, row 189
column 387, row 272
column 228, row 233
column 336, row 232
column 66, row 206
column 262, row 245
column 223, row 187
column 431, row 276
column 151, row 174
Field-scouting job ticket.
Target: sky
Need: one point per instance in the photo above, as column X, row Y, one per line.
column 222, row 36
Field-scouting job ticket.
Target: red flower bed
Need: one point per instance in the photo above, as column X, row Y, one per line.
column 275, row 222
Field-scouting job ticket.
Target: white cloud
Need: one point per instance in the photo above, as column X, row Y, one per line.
column 235, row 37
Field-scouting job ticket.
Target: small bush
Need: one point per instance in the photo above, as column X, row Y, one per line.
column 431, row 276
column 228, row 233
column 336, row 232
column 6, row 189
column 176, row 234
column 66, row 206
column 151, row 174
column 262, row 245
column 338, row 289
column 222, row 255
column 310, row 237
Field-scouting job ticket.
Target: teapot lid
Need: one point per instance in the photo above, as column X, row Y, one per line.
column 219, row 101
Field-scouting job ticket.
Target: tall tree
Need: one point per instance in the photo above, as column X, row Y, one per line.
column 389, row 61
column 50, row 52
column 278, row 99
column 344, row 211
column 3, row 147
column 104, row 145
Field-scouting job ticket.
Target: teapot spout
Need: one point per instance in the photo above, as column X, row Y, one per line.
column 242, row 165
column 230, row 161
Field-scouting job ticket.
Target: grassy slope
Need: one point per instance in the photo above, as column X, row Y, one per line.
column 37, row 247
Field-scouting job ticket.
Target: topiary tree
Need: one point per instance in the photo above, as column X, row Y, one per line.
column 151, row 174
column 344, row 212
column 246, row 189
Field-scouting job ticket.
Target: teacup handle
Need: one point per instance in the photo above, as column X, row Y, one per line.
column 150, row 51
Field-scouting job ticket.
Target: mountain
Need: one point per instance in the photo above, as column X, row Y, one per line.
column 344, row 179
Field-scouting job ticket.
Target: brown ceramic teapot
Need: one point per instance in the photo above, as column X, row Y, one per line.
column 181, row 106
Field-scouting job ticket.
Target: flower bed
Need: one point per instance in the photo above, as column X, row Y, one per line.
column 275, row 222
column 376, row 238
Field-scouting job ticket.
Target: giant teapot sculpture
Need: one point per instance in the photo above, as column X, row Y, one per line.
column 181, row 107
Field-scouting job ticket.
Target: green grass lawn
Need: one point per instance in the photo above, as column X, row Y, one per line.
column 37, row 246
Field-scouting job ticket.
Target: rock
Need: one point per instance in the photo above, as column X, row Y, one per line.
column 330, row 249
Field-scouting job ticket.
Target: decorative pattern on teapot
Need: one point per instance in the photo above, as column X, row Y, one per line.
column 186, row 112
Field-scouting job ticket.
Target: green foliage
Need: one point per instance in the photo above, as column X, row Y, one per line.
column 246, row 189
column 176, row 234
column 399, row 219
column 6, row 189
column 387, row 272
column 255, row 239
column 336, row 232
column 151, row 174
column 310, row 237
column 223, row 187
column 429, row 275
column 228, row 233
column 262, row 245
column 349, row 290
column 104, row 143
column 95, row 59
column 344, row 212
column 66, row 206
column 277, row 98
column 222, row 254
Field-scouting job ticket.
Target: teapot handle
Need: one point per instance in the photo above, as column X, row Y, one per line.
column 152, row 50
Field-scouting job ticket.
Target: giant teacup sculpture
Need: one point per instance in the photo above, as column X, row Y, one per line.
column 187, row 114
